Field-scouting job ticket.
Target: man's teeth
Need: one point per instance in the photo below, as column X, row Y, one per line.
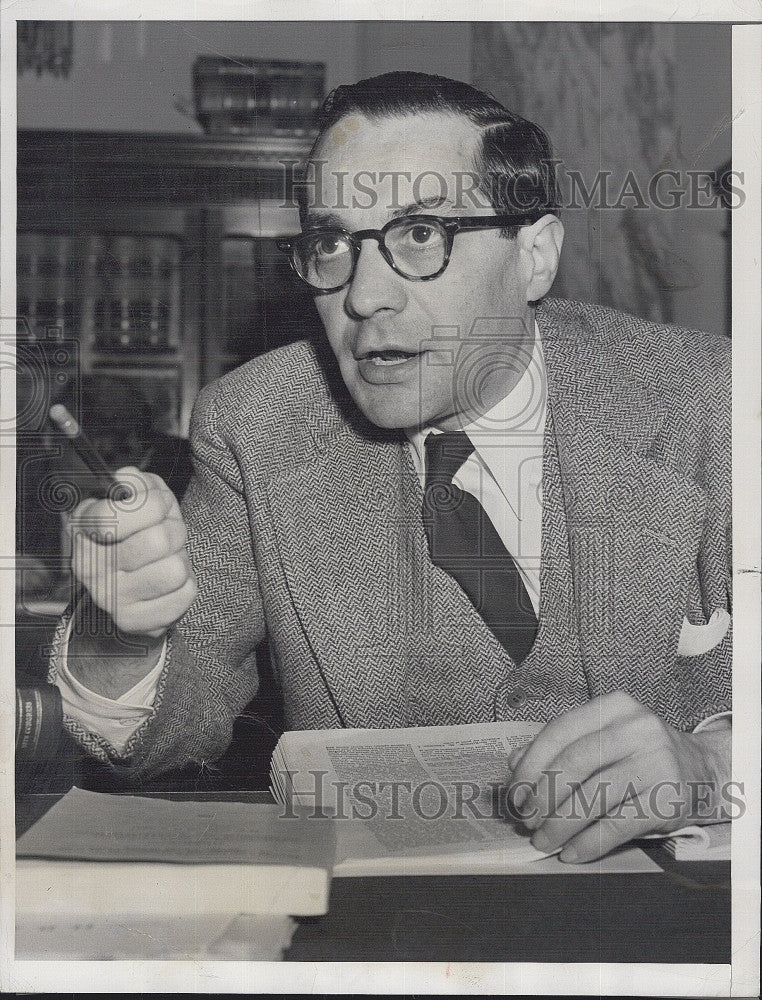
column 390, row 357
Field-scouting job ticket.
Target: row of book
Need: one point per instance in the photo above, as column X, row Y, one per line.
column 116, row 292
column 256, row 96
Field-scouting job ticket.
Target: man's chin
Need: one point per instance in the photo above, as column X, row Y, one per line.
column 387, row 408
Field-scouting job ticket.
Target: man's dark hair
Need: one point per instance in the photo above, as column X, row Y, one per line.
column 514, row 160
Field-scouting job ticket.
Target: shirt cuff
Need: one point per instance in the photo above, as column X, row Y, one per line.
column 113, row 720
column 719, row 720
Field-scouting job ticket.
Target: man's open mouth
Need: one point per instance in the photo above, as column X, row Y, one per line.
column 391, row 357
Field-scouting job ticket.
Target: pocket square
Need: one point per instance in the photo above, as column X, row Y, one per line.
column 697, row 639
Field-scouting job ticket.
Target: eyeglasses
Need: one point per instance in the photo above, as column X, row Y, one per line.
column 418, row 247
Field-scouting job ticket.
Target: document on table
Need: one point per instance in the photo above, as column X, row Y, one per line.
column 117, row 854
column 95, row 826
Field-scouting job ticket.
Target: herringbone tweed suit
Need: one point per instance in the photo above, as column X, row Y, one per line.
column 305, row 526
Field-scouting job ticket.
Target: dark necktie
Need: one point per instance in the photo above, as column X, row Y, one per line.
column 464, row 542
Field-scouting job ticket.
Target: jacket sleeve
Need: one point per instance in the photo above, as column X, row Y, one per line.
column 210, row 671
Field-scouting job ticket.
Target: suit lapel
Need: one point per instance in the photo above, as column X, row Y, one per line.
column 634, row 523
column 338, row 562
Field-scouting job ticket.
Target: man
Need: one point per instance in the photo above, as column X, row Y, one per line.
column 564, row 560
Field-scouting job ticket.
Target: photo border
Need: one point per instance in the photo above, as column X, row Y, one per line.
column 739, row 979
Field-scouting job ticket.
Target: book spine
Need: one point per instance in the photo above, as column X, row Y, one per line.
column 257, row 97
column 39, row 721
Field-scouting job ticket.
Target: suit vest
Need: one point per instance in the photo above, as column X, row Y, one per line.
column 477, row 681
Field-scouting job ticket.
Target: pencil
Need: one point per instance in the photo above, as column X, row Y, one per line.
column 83, row 446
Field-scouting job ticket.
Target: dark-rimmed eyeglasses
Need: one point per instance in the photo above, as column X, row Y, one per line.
column 418, row 247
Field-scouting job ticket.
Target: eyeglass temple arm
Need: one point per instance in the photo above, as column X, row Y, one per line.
column 492, row 221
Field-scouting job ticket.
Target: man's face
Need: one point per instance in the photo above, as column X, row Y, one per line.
column 420, row 353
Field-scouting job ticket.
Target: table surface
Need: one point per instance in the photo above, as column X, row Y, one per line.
column 681, row 914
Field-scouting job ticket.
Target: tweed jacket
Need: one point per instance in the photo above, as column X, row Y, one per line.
column 305, row 527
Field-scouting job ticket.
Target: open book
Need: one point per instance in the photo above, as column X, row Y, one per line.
column 415, row 800
column 103, row 854
column 430, row 800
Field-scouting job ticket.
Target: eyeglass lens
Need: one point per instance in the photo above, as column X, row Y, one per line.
column 326, row 260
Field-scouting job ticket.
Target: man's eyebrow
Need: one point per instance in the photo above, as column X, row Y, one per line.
column 421, row 205
column 323, row 219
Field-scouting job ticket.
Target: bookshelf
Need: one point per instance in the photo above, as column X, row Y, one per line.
column 153, row 257
column 147, row 257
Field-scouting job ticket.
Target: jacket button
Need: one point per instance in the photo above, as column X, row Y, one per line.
column 517, row 697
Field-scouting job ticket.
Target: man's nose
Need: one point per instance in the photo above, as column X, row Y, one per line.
column 374, row 285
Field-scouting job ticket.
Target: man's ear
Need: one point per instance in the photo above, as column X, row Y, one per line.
column 542, row 241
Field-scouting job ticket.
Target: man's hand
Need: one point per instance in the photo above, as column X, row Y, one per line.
column 130, row 555
column 611, row 770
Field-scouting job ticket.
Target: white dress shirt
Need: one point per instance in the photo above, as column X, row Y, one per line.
column 114, row 720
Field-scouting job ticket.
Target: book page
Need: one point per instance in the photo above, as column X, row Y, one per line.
column 94, row 826
column 510, row 861
column 413, row 791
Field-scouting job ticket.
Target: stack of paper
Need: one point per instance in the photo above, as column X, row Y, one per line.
column 129, row 936
column 96, row 855
column 701, row 843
